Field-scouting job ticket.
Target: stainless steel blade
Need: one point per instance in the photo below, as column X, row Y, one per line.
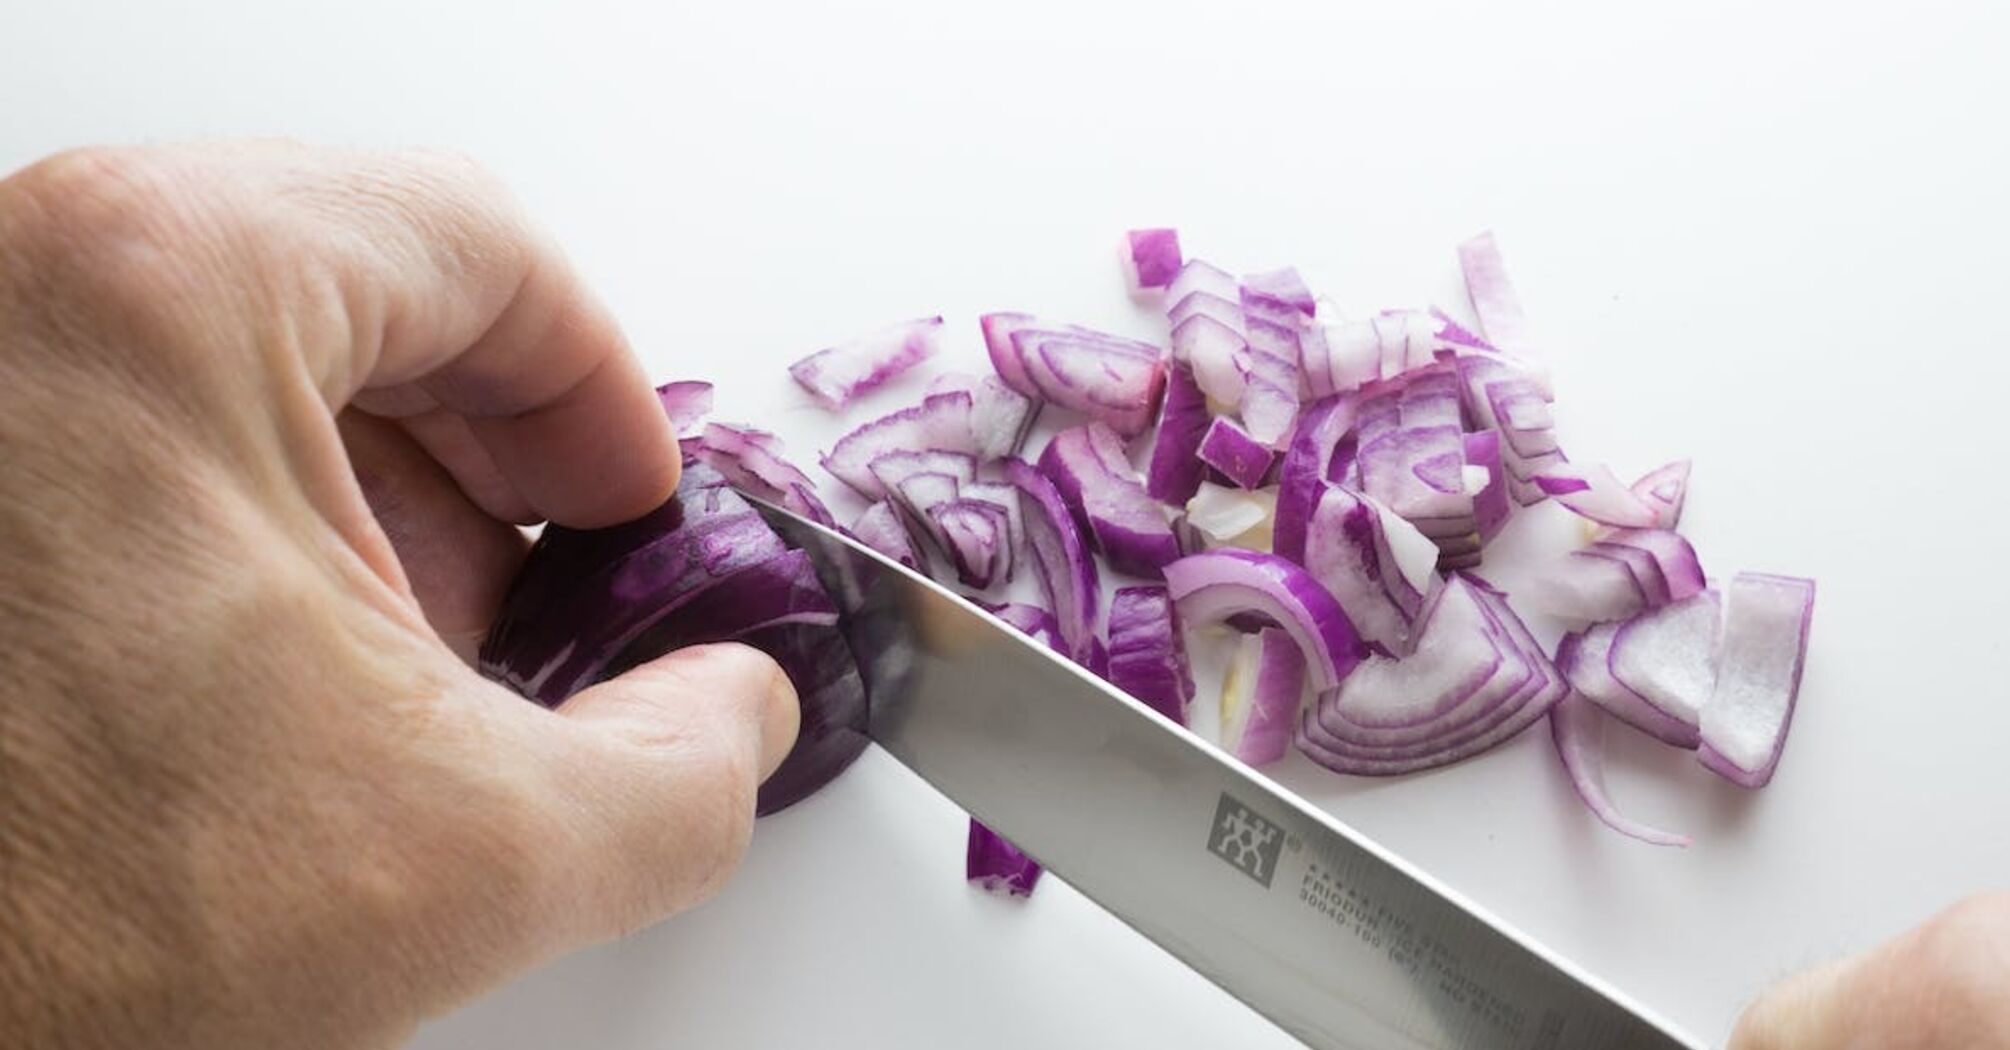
column 1289, row 910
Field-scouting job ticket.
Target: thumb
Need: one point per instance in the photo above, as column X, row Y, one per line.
column 660, row 778
column 1814, row 1010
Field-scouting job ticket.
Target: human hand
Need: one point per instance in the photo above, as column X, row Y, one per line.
column 267, row 416
column 1943, row 986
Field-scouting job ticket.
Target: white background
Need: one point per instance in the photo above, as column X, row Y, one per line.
column 1771, row 237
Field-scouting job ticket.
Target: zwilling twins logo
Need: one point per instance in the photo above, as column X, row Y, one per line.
column 1245, row 840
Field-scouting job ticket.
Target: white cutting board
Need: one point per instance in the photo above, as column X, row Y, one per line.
column 1771, row 237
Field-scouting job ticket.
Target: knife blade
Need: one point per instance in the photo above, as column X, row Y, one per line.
column 1333, row 938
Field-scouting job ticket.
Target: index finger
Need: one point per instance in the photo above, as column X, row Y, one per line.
column 453, row 297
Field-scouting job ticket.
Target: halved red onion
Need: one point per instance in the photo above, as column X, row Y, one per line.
column 749, row 460
column 1668, row 656
column 1060, row 560
column 1231, row 517
column 1585, row 659
column 1261, row 695
column 1151, row 259
column 1175, row 472
column 1594, row 492
column 1001, row 418
column 1147, row 651
column 1744, row 725
column 1093, row 474
column 1213, row 586
column 1578, row 728
column 1240, row 457
column 1217, row 353
column 996, row 865
column 1665, row 488
column 879, row 527
column 941, row 423
column 840, row 374
column 685, row 402
column 703, row 567
column 1493, row 297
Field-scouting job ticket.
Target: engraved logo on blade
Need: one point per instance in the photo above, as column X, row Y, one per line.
column 1245, row 840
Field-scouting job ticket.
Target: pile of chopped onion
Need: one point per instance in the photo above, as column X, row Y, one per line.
column 1313, row 492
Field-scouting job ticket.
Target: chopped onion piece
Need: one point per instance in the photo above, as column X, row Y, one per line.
column 1218, row 355
column 1090, row 470
column 1151, row 259
column 1585, row 659
column 975, row 534
column 1147, row 653
column 1001, row 418
column 1348, row 549
column 879, row 527
column 1744, row 726
column 1240, row 457
column 1260, row 696
column 941, row 423
column 839, row 375
column 1176, row 471
column 1060, row 560
column 1494, row 299
column 895, row 467
column 1213, row 586
column 1668, row 656
column 751, row 461
column 1595, row 493
column 998, row 866
column 1665, row 488
column 1578, row 728
column 1232, row 517
column 685, row 402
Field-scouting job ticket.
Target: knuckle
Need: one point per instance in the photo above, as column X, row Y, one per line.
column 93, row 196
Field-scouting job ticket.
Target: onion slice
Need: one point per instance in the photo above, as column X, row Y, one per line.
column 841, row 374
column 1578, row 728
column 1744, row 726
column 1213, row 586
column 1232, row 517
column 976, row 536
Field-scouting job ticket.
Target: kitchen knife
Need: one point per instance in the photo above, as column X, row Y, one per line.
column 1286, row 908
